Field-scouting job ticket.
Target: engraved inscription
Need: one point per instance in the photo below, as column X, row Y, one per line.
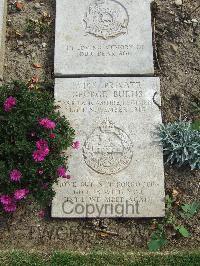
column 106, row 19
column 111, row 98
column 119, row 165
column 115, row 50
column 108, row 150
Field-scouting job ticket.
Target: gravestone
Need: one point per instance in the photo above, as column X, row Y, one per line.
column 103, row 37
column 118, row 171
column 3, row 5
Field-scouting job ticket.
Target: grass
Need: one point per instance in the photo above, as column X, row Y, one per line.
column 18, row 258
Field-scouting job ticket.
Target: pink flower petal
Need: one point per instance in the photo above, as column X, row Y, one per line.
column 52, row 136
column 40, row 171
column 10, row 207
column 9, row 103
column 61, row 171
column 21, row 193
column 41, row 214
column 47, row 123
column 15, row 175
column 38, row 156
column 76, row 145
column 5, row 199
column 41, row 144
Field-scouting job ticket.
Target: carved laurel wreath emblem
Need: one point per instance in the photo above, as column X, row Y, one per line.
column 108, row 150
column 106, row 19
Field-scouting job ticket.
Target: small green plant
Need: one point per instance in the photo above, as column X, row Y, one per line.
column 33, row 137
column 196, row 106
column 36, row 27
column 159, row 236
column 181, row 144
column 196, row 125
column 189, row 210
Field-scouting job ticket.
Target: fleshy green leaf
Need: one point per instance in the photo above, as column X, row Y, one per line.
column 183, row 231
column 156, row 244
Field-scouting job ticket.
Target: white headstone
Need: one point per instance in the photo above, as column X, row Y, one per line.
column 103, row 37
column 118, row 171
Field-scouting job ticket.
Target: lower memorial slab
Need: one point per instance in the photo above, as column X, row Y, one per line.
column 3, row 4
column 118, row 170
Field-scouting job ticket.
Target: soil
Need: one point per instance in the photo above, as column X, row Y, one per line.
column 177, row 63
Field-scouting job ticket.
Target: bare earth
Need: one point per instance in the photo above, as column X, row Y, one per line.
column 177, row 62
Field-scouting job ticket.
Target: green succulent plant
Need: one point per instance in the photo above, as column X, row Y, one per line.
column 181, row 144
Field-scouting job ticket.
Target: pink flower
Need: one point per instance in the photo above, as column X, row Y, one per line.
column 38, row 156
column 9, row 103
column 41, row 214
column 61, row 171
column 40, row 171
column 43, row 150
column 21, row 193
column 47, row 123
column 76, row 145
column 9, row 204
column 5, row 199
column 68, row 176
column 33, row 134
column 15, row 175
column 11, row 207
column 41, row 144
column 52, row 136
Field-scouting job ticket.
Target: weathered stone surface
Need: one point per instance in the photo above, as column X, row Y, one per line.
column 3, row 4
column 119, row 169
column 103, row 37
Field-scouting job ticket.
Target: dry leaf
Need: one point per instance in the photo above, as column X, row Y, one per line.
column 154, row 226
column 31, row 86
column 45, row 15
column 178, row 202
column 37, row 65
column 35, row 79
column 19, row 5
column 102, row 234
column 175, row 193
column 19, row 34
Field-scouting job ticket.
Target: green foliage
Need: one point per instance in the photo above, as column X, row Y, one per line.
column 16, row 258
column 196, row 125
column 159, row 236
column 158, row 239
column 36, row 27
column 181, row 144
column 196, row 106
column 189, row 210
column 19, row 131
column 182, row 230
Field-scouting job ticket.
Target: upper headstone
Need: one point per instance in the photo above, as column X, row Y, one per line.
column 103, row 37
column 118, row 171
column 3, row 4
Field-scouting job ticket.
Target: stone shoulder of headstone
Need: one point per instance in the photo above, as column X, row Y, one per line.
column 3, row 11
column 103, row 37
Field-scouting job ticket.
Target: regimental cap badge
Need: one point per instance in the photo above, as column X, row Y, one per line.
column 106, row 19
column 108, row 149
